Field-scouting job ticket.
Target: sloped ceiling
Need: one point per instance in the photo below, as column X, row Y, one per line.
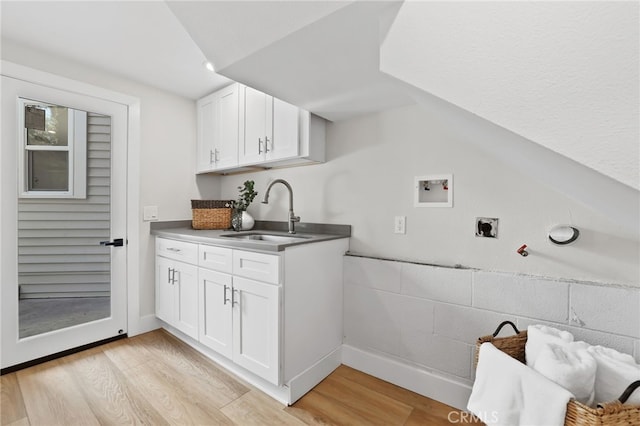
column 320, row 55
column 564, row 74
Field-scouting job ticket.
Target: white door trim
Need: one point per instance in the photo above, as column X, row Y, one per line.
column 135, row 323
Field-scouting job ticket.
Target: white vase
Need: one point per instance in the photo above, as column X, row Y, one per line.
column 247, row 221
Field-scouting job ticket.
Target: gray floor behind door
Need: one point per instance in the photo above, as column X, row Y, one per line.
column 42, row 315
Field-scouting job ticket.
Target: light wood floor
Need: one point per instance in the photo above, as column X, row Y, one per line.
column 155, row 379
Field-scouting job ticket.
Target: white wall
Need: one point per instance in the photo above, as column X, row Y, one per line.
column 368, row 179
column 167, row 157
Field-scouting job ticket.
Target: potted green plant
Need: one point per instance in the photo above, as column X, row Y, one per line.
column 241, row 220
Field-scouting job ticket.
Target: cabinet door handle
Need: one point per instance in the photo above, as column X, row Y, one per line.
column 211, row 157
column 225, row 295
column 169, row 276
column 266, row 144
column 259, row 146
column 215, row 155
column 233, row 297
column 173, row 276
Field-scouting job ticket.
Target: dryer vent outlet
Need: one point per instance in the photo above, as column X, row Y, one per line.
column 486, row 227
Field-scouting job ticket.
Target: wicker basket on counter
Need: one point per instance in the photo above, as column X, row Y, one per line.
column 211, row 214
column 613, row 413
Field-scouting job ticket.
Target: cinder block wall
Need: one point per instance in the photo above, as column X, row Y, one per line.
column 430, row 316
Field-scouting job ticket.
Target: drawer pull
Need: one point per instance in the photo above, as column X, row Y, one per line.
column 173, row 249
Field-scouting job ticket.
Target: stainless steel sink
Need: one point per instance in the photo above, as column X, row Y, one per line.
column 272, row 238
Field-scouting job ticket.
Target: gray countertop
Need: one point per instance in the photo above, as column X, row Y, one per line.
column 309, row 233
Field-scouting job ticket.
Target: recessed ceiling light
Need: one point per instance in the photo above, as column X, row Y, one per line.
column 208, row 65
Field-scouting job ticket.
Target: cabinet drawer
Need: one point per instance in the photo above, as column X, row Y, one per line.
column 178, row 250
column 216, row 258
column 257, row 266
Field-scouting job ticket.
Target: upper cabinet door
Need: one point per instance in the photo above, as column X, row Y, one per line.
column 205, row 135
column 252, row 146
column 285, row 139
column 218, row 130
column 227, row 127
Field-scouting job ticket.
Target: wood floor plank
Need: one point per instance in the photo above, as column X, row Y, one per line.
column 399, row 394
column 191, row 364
column 127, row 353
column 202, row 391
column 255, row 408
column 12, row 407
column 315, row 408
column 177, row 407
column 22, row 422
column 106, row 390
column 374, row 406
column 51, row 397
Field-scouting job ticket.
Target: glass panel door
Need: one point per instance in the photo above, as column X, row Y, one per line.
column 63, row 271
column 63, row 284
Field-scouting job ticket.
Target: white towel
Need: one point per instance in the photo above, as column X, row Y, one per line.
column 540, row 335
column 507, row 392
column 571, row 366
column 616, row 371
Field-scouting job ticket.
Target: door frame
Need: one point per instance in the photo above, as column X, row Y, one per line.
column 135, row 323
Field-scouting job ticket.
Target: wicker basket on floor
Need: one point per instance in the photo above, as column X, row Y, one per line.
column 211, row 214
column 613, row 413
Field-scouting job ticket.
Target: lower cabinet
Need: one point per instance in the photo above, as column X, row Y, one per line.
column 233, row 302
column 177, row 295
column 216, row 307
column 240, row 319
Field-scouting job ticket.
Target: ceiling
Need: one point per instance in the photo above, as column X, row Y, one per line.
column 142, row 41
column 319, row 55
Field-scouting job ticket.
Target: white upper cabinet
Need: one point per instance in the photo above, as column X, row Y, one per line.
column 218, row 130
column 240, row 127
column 271, row 129
column 257, row 108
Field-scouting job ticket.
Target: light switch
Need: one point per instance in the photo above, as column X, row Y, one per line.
column 150, row 213
column 400, row 225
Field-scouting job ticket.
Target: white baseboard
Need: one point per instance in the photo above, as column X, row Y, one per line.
column 407, row 376
column 144, row 325
column 313, row 375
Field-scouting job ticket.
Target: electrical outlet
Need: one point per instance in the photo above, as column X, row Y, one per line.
column 487, row 227
column 400, row 225
column 150, row 213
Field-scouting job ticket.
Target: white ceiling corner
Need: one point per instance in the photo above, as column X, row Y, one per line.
column 140, row 40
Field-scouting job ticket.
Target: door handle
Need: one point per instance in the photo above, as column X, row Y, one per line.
column 118, row 242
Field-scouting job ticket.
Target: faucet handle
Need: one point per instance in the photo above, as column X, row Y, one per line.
column 293, row 217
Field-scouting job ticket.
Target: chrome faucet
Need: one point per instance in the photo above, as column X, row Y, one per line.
column 292, row 217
